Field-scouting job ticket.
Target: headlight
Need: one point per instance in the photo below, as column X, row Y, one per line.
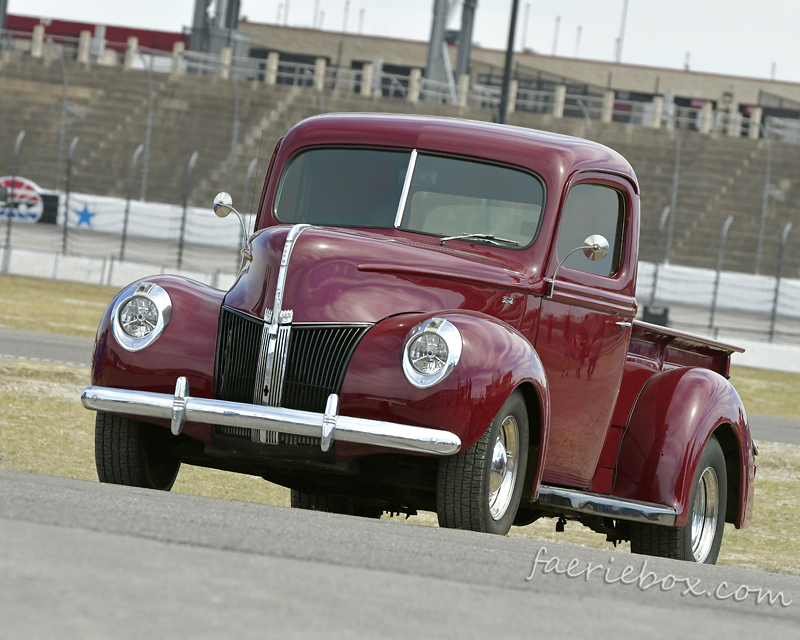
column 431, row 353
column 140, row 315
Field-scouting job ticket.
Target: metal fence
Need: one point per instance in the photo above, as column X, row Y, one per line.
column 587, row 105
column 169, row 237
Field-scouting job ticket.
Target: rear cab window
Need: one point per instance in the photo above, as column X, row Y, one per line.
column 592, row 209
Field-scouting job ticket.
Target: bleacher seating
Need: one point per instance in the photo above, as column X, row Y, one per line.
column 719, row 175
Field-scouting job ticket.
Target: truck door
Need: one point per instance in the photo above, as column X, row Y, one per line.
column 584, row 328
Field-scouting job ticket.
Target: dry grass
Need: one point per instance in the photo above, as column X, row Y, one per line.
column 52, row 306
column 44, row 429
column 769, row 393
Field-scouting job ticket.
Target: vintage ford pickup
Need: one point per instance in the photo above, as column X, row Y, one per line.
column 434, row 314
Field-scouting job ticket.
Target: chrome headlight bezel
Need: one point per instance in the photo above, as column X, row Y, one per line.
column 155, row 294
column 452, row 337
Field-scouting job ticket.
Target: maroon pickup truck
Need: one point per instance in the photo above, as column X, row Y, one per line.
column 434, row 314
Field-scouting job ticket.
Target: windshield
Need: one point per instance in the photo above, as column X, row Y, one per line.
column 444, row 197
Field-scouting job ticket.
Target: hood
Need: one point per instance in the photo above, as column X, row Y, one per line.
column 345, row 276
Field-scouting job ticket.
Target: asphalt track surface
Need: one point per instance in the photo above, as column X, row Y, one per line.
column 72, row 350
column 83, row 560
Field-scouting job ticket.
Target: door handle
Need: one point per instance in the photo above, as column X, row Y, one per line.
column 624, row 325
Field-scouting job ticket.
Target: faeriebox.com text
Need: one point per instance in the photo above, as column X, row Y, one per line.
column 645, row 580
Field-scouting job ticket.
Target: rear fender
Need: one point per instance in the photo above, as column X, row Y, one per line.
column 495, row 360
column 674, row 416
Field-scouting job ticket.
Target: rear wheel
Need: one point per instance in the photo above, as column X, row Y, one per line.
column 700, row 539
column 480, row 489
column 132, row 453
column 333, row 504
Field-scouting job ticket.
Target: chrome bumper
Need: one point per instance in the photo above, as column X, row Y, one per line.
column 328, row 426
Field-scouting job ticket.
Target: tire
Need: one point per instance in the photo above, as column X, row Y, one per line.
column 131, row 453
column 480, row 489
column 333, row 504
column 700, row 539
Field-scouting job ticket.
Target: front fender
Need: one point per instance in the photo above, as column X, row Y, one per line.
column 186, row 348
column 496, row 359
column 674, row 416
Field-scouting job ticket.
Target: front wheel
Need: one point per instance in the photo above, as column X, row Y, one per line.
column 700, row 539
column 132, row 453
column 480, row 489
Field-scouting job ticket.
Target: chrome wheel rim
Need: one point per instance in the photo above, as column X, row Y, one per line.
column 503, row 471
column 705, row 512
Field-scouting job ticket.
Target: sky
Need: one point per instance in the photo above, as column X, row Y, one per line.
column 733, row 37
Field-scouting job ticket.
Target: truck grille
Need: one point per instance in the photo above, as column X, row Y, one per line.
column 316, row 361
column 318, row 357
column 238, row 343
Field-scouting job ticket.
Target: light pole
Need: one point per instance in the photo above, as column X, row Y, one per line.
column 784, row 235
column 661, row 223
column 189, row 169
column 674, row 198
column 512, row 28
column 136, row 155
column 587, row 127
column 69, row 188
column 10, row 205
column 235, row 132
column 146, row 163
column 725, row 228
column 62, row 131
column 764, row 199
column 622, row 30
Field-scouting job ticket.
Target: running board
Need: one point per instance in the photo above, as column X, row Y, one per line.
column 606, row 506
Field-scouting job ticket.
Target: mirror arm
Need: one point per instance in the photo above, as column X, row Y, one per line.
column 247, row 250
column 555, row 273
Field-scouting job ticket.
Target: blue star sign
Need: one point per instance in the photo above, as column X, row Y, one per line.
column 84, row 217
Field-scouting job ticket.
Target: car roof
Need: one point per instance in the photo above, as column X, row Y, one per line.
column 551, row 155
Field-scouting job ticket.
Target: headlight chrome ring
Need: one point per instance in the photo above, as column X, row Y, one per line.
column 140, row 314
column 432, row 352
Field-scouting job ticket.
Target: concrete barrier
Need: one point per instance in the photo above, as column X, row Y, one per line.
column 100, row 271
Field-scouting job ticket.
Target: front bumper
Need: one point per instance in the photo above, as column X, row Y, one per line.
column 329, row 426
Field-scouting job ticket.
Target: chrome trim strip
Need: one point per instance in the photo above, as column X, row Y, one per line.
column 291, row 238
column 267, row 364
column 279, row 366
column 247, row 416
column 258, row 390
column 398, row 218
column 606, row 506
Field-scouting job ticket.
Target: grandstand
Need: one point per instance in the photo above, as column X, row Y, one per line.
column 722, row 170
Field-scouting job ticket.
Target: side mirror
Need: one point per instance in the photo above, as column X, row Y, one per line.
column 595, row 247
column 223, row 205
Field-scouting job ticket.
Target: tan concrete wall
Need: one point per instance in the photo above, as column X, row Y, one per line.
column 687, row 84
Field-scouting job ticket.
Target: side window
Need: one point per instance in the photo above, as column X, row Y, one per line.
column 591, row 209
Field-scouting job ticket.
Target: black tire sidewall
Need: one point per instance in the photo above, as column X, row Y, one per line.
column 713, row 457
column 515, row 405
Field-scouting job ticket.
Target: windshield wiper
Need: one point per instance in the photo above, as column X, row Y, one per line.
column 479, row 236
